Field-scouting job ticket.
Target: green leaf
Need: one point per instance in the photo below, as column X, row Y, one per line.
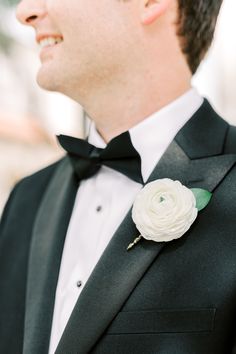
column 202, row 197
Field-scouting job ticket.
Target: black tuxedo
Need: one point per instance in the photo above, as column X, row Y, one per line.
column 160, row 298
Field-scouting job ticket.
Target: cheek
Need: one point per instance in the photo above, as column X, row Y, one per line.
column 59, row 13
column 57, row 7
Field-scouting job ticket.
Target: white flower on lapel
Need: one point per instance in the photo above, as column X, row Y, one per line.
column 165, row 209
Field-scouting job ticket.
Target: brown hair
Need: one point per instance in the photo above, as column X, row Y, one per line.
column 196, row 26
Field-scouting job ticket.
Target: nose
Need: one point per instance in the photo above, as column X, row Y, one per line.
column 28, row 12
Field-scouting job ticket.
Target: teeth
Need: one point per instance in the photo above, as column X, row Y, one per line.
column 50, row 41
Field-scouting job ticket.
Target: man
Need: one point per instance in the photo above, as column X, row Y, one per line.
column 68, row 283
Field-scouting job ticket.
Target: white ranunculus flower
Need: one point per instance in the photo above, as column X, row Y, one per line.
column 164, row 210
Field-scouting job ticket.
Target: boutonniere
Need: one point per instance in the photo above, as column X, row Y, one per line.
column 165, row 209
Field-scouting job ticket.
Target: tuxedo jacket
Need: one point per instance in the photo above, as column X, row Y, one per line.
column 177, row 297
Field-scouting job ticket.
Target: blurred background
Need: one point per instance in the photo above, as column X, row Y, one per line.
column 30, row 117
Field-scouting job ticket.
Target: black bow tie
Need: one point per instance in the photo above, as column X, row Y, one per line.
column 119, row 155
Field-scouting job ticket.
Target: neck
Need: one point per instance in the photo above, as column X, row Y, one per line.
column 119, row 107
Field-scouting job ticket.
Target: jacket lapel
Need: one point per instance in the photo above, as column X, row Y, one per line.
column 45, row 256
column 118, row 271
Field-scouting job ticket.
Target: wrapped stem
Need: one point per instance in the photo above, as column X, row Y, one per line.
column 136, row 240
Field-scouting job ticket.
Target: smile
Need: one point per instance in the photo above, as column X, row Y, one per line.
column 50, row 41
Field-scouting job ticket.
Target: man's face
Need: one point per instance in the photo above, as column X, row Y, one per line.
column 85, row 42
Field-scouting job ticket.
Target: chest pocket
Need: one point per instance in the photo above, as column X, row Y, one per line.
column 163, row 321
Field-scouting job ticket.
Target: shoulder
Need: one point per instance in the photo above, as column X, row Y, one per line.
column 38, row 180
column 27, row 194
column 32, row 187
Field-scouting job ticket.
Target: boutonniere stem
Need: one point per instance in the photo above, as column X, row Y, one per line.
column 136, row 240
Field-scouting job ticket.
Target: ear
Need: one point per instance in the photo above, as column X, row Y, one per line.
column 151, row 10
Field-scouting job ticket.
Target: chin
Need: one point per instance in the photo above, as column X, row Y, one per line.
column 70, row 86
column 46, row 81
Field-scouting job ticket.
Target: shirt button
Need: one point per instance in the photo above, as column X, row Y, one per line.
column 79, row 283
column 99, row 208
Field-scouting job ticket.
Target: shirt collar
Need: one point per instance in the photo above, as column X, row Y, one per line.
column 152, row 136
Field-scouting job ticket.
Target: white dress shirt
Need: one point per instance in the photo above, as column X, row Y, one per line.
column 103, row 200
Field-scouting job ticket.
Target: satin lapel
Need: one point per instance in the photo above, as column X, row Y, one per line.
column 204, row 173
column 45, row 256
column 118, row 271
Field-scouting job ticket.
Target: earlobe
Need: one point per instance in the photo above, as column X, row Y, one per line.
column 152, row 10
